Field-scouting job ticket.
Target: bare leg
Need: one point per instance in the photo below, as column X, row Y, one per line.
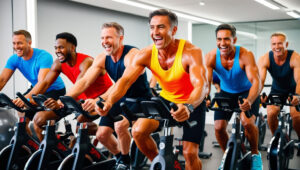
column 221, row 134
column 251, row 132
column 141, row 132
column 190, row 153
column 273, row 112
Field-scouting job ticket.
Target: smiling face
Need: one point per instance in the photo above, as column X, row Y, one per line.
column 225, row 42
column 111, row 41
column 279, row 45
column 20, row 45
column 63, row 50
column 161, row 31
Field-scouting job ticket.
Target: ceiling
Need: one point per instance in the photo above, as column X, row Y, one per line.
column 217, row 10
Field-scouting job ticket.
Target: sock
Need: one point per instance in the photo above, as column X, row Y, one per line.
column 118, row 155
column 125, row 159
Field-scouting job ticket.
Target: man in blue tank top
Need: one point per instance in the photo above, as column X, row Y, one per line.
column 238, row 73
column 34, row 64
column 284, row 68
column 114, row 60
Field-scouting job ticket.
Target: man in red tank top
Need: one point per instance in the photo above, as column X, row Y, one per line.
column 73, row 65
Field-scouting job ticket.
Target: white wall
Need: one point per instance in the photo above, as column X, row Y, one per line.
column 85, row 22
column 12, row 17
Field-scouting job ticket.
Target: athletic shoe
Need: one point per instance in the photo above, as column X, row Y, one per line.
column 256, row 162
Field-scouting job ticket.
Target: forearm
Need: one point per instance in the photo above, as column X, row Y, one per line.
column 119, row 90
column 78, row 88
column 106, row 94
column 198, row 94
column 254, row 91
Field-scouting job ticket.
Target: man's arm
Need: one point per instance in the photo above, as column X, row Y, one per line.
column 5, row 76
column 295, row 60
column 198, row 78
column 130, row 75
column 84, row 66
column 210, row 65
column 89, row 77
column 42, row 86
column 252, row 75
column 263, row 65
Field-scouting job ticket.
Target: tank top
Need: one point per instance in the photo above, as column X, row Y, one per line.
column 140, row 88
column 234, row 80
column 101, row 84
column 283, row 76
column 175, row 82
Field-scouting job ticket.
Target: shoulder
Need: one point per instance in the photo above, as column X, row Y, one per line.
column 295, row 59
column 41, row 52
column 264, row 60
column 191, row 48
column 244, row 52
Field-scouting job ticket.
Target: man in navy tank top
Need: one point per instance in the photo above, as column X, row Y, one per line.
column 238, row 74
column 114, row 60
column 284, row 68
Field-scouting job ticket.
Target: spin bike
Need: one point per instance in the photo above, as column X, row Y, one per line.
column 166, row 159
column 53, row 149
column 15, row 155
column 235, row 156
column 84, row 155
column 281, row 148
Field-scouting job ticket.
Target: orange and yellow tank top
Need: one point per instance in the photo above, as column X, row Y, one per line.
column 175, row 82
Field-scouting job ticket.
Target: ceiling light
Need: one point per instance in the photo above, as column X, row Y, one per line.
column 268, row 4
column 293, row 14
column 247, row 34
column 201, row 3
column 152, row 8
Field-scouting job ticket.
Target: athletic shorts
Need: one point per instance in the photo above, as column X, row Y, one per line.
column 195, row 133
column 220, row 115
column 134, row 107
column 51, row 94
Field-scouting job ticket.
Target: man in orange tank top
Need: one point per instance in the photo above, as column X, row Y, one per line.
column 160, row 58
column 73, row 65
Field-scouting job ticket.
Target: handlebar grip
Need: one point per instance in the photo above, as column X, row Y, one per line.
column 297, row 107
column 185, row 123
column 127, row 111
column 25, row 100
column 263, row 96
column 247, row 113
column 116, row 118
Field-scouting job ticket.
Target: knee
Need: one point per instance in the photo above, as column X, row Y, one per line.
column 137, row 133
column 219, row 129
column 39, row 120
column 121, row 128
column 190, row 155
column 102, row 136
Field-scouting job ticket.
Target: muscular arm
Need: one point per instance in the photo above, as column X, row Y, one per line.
column 198, row 78
column 252, row 75
column 130, row 75
column 295, row 60
column 5, row 76
column 263, row 64
column 42, row 86
column 210, row 65
column 84, row 66
column 89, row 77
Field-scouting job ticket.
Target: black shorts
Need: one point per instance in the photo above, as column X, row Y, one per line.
column 282, row 92
column 51, row 94
column 195, row 133
column 219, row 115
column 116, row 110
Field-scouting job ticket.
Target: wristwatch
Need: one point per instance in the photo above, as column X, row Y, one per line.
column 190, row 107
